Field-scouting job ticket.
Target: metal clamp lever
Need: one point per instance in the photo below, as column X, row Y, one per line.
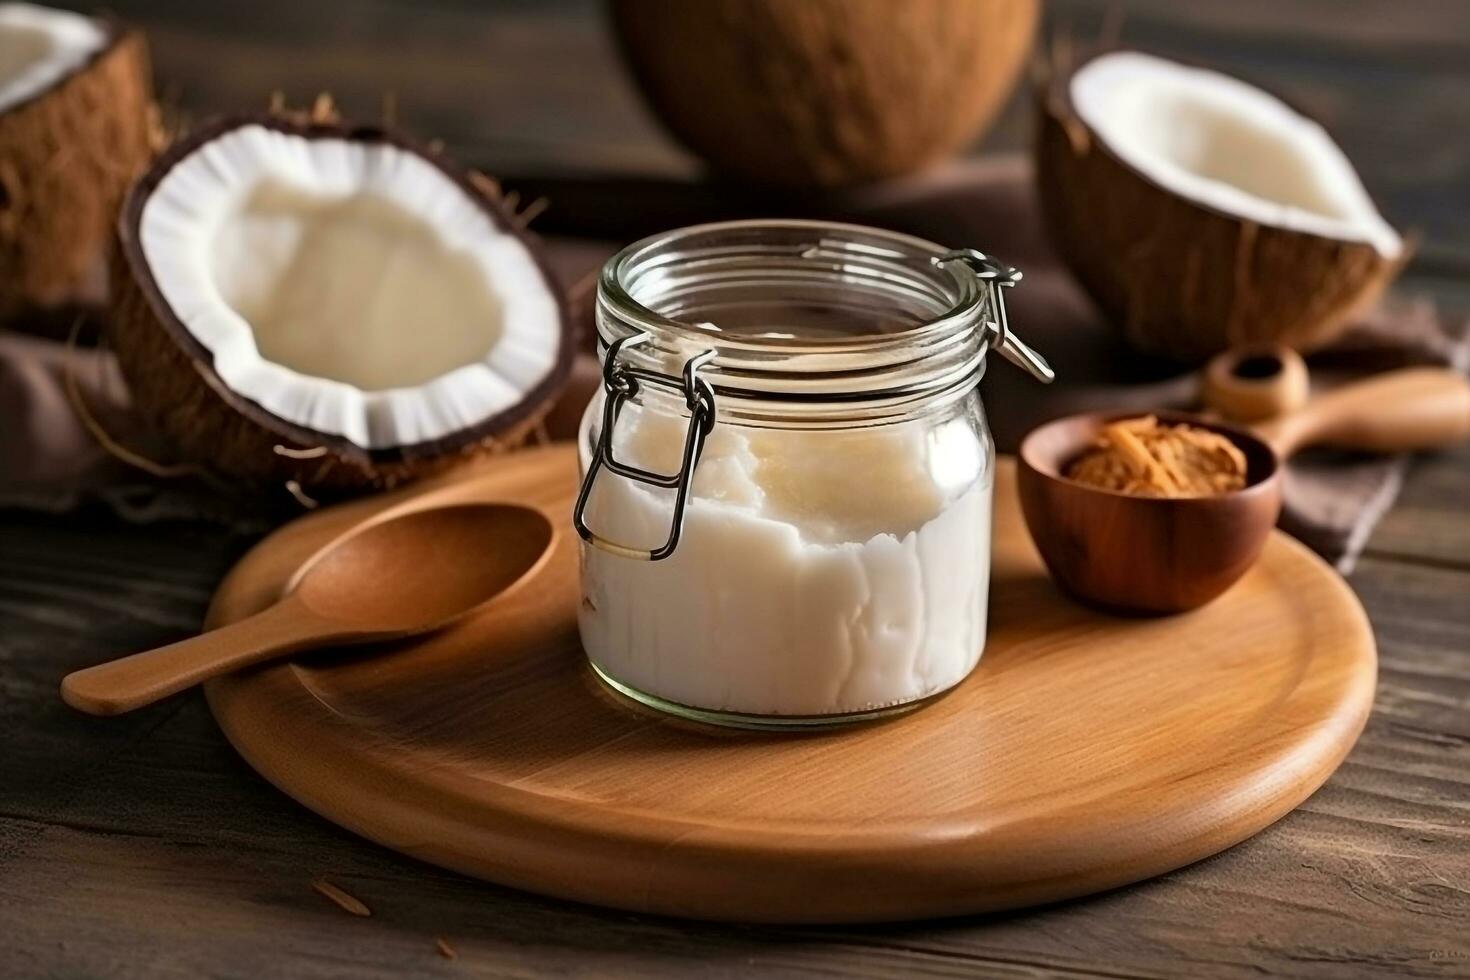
column 621, row 382
column 995, row 274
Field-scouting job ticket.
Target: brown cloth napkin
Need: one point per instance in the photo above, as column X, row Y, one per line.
column 49, row 460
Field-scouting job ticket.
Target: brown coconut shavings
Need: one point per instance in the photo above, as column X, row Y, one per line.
column 1146, row 457
column 344, row 901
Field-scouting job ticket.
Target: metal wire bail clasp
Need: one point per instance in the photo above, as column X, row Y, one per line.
column 996, row 276
column 621, row 382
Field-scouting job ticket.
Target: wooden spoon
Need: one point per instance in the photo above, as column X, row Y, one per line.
column 384, row 580
column 1156, row 555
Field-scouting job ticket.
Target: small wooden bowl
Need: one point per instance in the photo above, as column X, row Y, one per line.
column 1134, row 554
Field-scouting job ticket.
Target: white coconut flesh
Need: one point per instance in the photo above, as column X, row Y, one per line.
column 1227, row 145
column 39, row 47
column 349, row 287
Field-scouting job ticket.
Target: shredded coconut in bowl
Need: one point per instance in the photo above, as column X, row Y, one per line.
column 1146, row 457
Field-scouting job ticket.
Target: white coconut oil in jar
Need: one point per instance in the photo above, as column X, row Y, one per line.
column 787, row 474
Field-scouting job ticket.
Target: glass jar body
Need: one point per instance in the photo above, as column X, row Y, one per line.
column 825, row 573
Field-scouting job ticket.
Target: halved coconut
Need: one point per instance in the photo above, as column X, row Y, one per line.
column 76, row 128
column 340, row 307
column 1202, row 213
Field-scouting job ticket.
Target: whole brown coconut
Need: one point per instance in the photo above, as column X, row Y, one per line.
column 825, row 92
column 176, row 380
column 1179, row 277
column 67, row 156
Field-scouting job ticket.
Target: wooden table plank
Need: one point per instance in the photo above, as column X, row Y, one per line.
column 1428, row 522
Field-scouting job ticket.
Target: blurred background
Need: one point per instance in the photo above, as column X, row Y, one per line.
column 535, row 88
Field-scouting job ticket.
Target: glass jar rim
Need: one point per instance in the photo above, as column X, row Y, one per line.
column 940, row 351
column 863, row 242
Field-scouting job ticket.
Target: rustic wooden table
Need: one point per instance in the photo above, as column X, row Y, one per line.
column 142, row 846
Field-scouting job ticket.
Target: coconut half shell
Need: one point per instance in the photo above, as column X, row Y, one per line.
column 77, row 126
column 825, row 92
column 340, row 307
column 1204, row 214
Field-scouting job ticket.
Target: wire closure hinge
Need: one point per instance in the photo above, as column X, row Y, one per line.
column 621, row 382
column 995, row 276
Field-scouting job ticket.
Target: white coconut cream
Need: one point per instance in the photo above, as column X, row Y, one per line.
column 819, row 572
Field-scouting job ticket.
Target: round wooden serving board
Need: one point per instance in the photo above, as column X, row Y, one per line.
column 1085, row 752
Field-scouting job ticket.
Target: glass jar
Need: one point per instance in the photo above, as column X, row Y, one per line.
column 787, row 474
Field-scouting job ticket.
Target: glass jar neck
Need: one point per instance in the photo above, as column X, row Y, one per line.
column 809, row 322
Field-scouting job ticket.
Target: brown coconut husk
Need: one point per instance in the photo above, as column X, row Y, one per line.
column 1178, row 278
column 173, row 383
column 825, row 92
column 67, row 157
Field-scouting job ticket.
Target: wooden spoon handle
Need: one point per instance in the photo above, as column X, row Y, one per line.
column 132, row 682
column 1398, row 411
